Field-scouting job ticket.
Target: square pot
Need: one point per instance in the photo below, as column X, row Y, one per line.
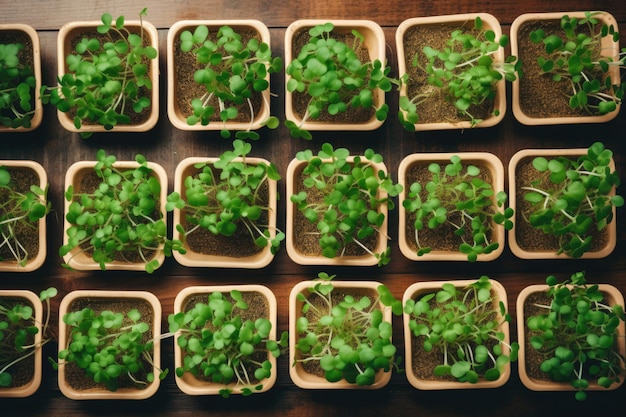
column 294, row 170
column 405, row 57
column 191, row 385
column 78, row 259
column 517, row 245
column 613, row 297
column 484, row 160
column 298, row 374
column 71, row 30
column 175, row 113
column 420, row 289
column 96, row 393
column 609, row 49
column 196, row 259
column 375, row 44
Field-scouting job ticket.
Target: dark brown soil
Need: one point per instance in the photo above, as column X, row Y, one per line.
column 239, row 245
column 23, row 371
column 540, row 96
column 75, row 376
column 306, row 235
column 258, row 307
column 187, row 88
column 441, row 238
column 301, row 100
column 529, row 238
column 22, row 179
column 437, row 108
column 533, row 358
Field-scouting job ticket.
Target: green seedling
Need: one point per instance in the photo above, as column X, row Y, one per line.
column 577, row 335
column 110, row 347
column 465, row 72
column 576, row 56
column 20, row 212
column 17, row 330
column 457, row 197
column 17, row 88
column 347, row 335
column 232, row 73
column 120, row 218
column 221, row 346
column 463, row 327
column 353, row 191
column 573, row 197
column 226, row 195
column 108, row 77
column 333, row 77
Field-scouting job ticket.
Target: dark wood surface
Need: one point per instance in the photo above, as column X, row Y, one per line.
column 56, row 149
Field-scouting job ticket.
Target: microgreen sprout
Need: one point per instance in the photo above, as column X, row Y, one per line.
column 352, row 192
column 459, row 198
column 232, row 72
column 218, row 344
column 17, row 87
column 465, row 72
column 226, row 195
column 331, row 74
column 20, row 211
column 572, row 197
column 107, row 78
column 577, row 335
column 119, row 218
column 110, row 347
column 460, row 325
column 575, row 56
column 17, row 329
column 346, row 334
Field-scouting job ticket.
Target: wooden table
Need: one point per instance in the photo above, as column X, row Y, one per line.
column 56, row 149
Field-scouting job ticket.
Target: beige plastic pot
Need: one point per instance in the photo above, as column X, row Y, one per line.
column 485, row 160
column 101, row 393
column 174, row 111
column 196, row 259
